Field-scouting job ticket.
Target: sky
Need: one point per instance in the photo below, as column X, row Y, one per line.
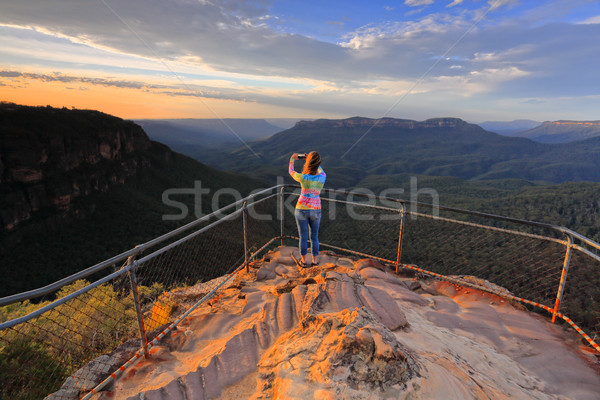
column 479, row 60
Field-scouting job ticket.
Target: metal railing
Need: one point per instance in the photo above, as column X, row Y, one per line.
column 73, row 326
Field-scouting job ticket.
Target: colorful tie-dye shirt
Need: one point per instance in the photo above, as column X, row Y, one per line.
column 311, row 188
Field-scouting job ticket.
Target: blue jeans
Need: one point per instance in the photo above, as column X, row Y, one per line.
column 304, row 219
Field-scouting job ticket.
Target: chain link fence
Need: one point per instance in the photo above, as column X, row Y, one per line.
column 517, row 258
column 71, row 344
column 80, row 333
column 38, row 355
column 528, row 260
column 526, row 264
column 581, row 299
column 366, row 226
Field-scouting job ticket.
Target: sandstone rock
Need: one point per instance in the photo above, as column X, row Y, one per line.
column 264, row 273
column 383, row 306
column 344, row 262
column 335, row 351
column 412, row 284
column 368, row 263
column 93, row 373
column 332, row 338
column 368, row 272
column 336, row 276
column 59, row 161
column 398, row 291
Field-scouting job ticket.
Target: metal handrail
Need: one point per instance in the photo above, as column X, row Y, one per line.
column 123, row 256
column 134, row 265
column 491, row 228
column 138, row 249
column 196, row 233
column 141, row 248
column 557, row 228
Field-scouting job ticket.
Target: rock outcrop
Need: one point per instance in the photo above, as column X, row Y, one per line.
column 352, row 329
column 49, row 157
column 348, row 352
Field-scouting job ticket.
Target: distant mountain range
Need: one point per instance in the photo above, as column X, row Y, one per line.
column 546, row 132
column 509, row 128
column 285, row 123
column 356, row 147
column 191, row 136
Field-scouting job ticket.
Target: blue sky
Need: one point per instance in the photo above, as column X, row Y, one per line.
column 474, row 59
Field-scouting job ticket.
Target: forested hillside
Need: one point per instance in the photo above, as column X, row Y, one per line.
column 74, row 192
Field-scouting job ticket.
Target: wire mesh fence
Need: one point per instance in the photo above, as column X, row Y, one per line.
column 526, row 261
column 178, row 276
column 73, row 344
column 364, row 226
column 192, row 269
column 581, row 299
column 526, row 264
column 263, row 223
column 517, row 258
column 38, row 355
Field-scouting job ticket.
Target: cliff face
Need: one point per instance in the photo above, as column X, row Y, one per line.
column 357, row 122
column 49, row 157
column 563, row 131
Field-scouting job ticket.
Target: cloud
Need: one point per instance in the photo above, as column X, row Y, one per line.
column 417, row 3
column 495, row 4
column 592, row 20
column 73, row 79
column 454, row 3
column 533, row 101
column 337, row 24
column 235, row 38
column 10, row 74
column 225, row 36
column 321, row 98
column 218, row 90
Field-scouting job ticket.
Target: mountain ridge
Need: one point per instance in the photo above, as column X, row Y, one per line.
column 438, row 147
column 563, row 131
column 380, row 122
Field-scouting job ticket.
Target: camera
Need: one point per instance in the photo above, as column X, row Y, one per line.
column 301, row 156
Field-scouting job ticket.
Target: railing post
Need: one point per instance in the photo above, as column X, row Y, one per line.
column 281, row 212
column 563, row 277
column 245, row 223
column 400, row 238
column 138, row 309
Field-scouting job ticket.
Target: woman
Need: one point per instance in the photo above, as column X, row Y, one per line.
column 308, row 208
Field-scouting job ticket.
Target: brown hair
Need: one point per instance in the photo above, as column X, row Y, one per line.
column 311, row 165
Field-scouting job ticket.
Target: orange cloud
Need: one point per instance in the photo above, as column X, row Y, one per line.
column 127, row 102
